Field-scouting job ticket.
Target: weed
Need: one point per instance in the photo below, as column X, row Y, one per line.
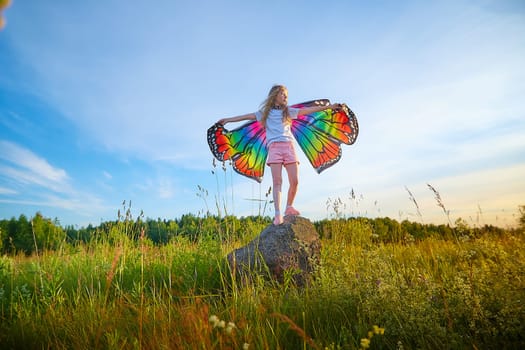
column 121, row 290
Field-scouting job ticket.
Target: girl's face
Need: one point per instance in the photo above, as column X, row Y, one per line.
column 282, row 98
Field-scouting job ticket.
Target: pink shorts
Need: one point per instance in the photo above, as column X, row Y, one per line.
column 281, row 153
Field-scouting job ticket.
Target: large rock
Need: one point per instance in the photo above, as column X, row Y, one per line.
column 292, row 246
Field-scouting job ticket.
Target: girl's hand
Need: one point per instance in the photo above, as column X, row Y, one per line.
column 335, row 106
column 222, row 121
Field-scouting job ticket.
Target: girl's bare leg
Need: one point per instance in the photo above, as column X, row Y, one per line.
column 277, row 188
column 293, row 178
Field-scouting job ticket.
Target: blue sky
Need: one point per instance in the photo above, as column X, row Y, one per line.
column 106, row 101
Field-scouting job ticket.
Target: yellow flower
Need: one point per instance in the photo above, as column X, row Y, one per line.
column 378, row 330
column 365, row 343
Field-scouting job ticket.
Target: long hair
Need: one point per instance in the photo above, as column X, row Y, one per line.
column 269, row 103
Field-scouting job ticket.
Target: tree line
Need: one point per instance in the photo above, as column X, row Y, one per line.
column 31, row 235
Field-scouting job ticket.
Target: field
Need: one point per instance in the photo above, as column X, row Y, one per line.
column 123, row 291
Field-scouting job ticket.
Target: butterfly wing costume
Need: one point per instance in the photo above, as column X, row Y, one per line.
column 319, row 135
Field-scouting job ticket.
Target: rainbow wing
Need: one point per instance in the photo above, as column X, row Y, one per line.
column 244, row 146
column 320, row 134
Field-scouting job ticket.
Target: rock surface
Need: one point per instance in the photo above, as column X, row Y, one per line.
column 292, row 246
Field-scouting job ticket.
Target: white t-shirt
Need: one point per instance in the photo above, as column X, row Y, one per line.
column 276, row 130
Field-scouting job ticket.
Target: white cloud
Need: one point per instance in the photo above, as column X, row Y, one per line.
column 81, row 205
column 165, row 189
column 30, row 168
column 33, row 181
column 7, row 191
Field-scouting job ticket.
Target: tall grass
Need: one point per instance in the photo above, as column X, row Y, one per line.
column 127, row 293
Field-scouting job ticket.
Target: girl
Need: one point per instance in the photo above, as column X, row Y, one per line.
column 276, row 117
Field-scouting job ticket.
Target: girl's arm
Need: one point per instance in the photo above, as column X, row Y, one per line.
column 309, row 110
column 249, row 116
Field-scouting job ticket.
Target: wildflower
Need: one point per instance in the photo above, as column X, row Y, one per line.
column 245, row 346
column 378, row 330
column 221, row 324
column 230, row 327
column 365, row 343
column 214, row 320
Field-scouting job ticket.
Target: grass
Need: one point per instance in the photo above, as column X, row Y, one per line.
column 122, row 293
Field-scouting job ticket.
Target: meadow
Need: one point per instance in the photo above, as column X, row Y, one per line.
column 378, row 286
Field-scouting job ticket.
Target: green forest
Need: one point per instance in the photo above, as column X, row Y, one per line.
column 27, row 235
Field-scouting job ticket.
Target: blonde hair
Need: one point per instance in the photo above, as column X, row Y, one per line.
column 269, row 103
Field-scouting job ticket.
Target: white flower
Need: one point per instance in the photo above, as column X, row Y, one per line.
column 214, row 320
column 245, row 346
column 231, row 326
